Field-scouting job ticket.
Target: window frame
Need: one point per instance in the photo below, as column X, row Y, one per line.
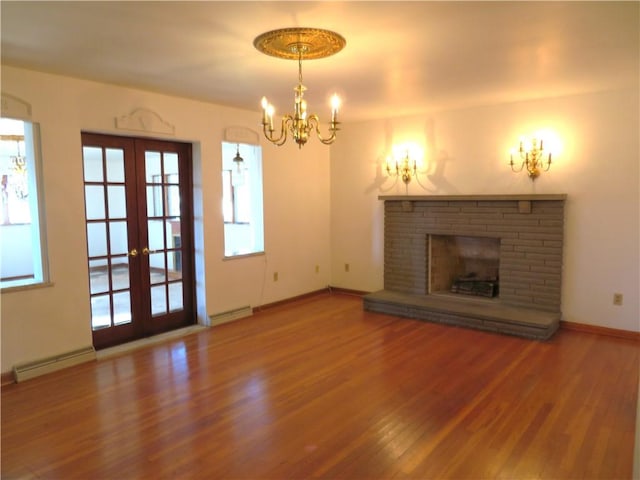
column 40, row 259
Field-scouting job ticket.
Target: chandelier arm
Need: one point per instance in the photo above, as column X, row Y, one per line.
column 314, row 122
column 327, row 141
column 284, row 130
column 268, row 132
column 280, row 143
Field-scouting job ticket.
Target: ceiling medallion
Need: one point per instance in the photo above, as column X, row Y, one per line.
column 291, row 43
column 299, row 44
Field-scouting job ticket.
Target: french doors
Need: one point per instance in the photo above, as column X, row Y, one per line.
column 139, row 236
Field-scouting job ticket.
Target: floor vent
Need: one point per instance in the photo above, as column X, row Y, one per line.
column 231, row 315
column 34, row 369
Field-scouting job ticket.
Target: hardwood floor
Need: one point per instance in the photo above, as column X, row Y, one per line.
column 322, row 389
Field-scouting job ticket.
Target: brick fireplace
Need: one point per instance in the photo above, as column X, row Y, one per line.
column 516, row 239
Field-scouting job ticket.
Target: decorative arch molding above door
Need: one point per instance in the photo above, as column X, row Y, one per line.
column 14, row 107
column 145, row 120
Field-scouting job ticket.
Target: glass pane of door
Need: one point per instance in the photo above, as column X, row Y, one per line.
column 107, row 236
column 164, row 244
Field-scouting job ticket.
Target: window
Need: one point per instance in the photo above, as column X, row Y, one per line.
column 22, row 257
column 242, row 199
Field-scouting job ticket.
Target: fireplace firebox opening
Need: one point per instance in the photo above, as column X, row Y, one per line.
column 464, row 265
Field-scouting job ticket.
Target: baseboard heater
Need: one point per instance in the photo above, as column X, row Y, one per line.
column 224, row 317
column 25, row 371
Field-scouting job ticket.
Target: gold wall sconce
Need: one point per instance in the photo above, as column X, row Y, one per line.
column 404, row 168
column 533, row 159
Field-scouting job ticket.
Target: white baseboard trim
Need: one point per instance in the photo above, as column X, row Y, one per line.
column 231, row 315
column 26, row 371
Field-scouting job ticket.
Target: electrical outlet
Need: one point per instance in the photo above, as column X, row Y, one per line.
column 275, row 276
column 346, row 267
column 317, row 268
column 617, row 299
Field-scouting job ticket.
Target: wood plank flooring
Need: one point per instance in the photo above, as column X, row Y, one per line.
column 322, row 389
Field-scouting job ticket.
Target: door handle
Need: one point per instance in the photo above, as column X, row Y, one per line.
column 146, row 251
column 133, row 252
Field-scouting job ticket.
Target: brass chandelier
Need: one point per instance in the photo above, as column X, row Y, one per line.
column 299, row 44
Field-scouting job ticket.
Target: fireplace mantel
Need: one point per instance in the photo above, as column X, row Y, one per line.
column 472, row 198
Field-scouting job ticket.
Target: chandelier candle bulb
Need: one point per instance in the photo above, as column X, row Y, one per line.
column 270, row 112
column 335, row 105
column 265, row 105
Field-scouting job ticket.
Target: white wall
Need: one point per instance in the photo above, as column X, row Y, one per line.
column 50, row 320
column 467, row 152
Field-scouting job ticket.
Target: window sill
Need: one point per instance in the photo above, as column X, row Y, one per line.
column 243, row 255
column 21, row 288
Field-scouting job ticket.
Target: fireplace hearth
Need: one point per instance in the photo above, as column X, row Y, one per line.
column 492, row 262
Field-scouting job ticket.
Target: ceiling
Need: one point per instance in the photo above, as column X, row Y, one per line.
column 400, row 57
